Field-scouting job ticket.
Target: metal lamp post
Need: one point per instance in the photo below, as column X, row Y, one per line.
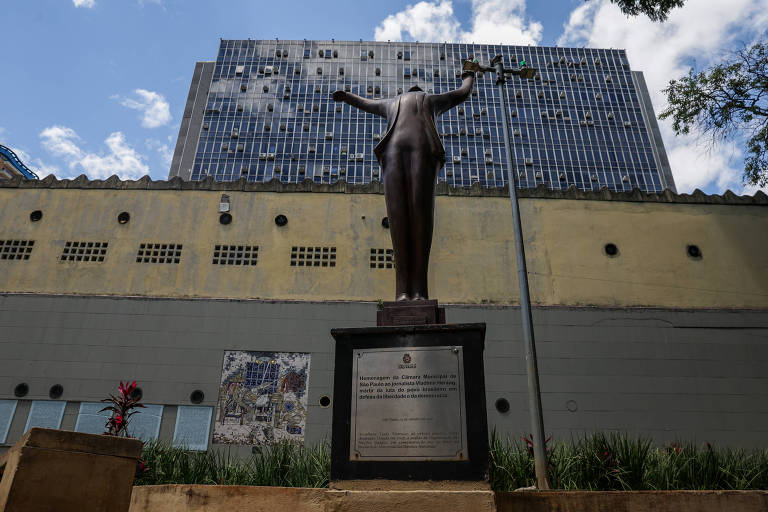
column 534, row 394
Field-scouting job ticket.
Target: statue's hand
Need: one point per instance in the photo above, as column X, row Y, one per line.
column 470, row 66
column 339, row 96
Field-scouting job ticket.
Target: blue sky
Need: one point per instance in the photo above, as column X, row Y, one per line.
column 98, row 86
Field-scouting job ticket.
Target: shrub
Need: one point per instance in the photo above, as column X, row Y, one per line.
column 592, row 462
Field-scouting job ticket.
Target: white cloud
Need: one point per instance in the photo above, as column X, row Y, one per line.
column 156, row 110
column 493, row 22
column 163, row 149
column 61, row 141
column 121, row 159
column 501, row 22
column 36, row 165
column 424, row 21
column 697, row 34
column 84, row 3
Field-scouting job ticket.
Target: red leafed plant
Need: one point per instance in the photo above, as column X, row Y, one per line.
column 529, row 443
column 121, row 406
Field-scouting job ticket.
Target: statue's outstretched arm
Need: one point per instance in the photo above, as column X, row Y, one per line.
column 377, row 107
column 446, row 101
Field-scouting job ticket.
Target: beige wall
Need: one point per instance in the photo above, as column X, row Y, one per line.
column 472, row 257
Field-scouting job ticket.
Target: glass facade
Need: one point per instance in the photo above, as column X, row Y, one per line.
column 268, row 114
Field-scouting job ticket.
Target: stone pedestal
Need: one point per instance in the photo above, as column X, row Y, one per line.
column 412, row 312
column 68, row 472
column 409, row 403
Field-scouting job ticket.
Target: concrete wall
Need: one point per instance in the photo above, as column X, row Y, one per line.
column 696, row 375
column 472, row 256
column 210, row 498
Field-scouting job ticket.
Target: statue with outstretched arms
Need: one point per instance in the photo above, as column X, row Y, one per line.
column 411, row 154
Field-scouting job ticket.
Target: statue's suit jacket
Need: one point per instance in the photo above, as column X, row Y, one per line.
column 425, row 110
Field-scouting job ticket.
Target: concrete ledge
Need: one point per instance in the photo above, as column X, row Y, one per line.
column 78, row 442
column 422, row 501
column 215, row 498
column 381, row 484
column 221, row 498
column 633, row 501
column 50, row 470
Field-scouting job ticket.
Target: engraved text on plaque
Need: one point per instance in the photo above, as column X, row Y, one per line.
column 408, row 404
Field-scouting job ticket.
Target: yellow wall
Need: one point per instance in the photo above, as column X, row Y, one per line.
column 472, row 257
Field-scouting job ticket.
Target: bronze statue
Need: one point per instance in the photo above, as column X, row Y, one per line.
column 411, row 154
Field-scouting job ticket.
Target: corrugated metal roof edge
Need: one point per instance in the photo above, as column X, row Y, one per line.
column 376, row 187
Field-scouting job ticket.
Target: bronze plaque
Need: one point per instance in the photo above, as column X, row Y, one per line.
column 408, row 404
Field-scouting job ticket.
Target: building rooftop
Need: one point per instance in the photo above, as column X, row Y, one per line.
column 376, row 187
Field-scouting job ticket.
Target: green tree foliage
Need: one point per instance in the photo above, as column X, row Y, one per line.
column 657, row 10
column 729, row 100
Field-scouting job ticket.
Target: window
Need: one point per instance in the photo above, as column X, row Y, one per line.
column 84, row 251
column 16, row 249
column 363, row 55
column 406, row 55
column 235, row 255
column 7, row 410
column 193, row 424
column 313, row 256
column 159, row 253
column 45, row 414
column 306, row 53
column 145, row 424
column 90, row 418
column 382, row 258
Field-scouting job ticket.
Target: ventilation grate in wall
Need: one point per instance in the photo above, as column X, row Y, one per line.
column 84, row 251
column 16, row 249
column 158, row 253
column 235, row 254
column 381, row 258
column 313, row 256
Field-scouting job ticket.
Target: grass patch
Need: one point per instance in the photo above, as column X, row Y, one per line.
column 592, row 462
column 617, row 462
column 283, row 465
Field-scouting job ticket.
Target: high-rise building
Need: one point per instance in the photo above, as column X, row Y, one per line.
column 263, row 110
